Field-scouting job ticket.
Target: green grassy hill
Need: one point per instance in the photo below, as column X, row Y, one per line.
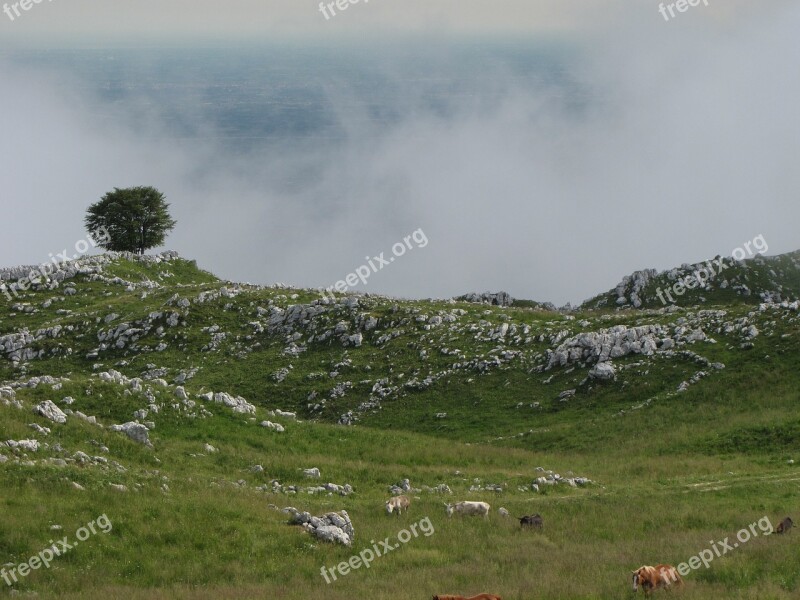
column 667, row 427
column 716, row 281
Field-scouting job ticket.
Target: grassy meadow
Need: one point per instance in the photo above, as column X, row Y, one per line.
column 670, row 473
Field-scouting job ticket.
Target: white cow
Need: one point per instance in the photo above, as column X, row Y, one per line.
column 467, row 508
column 398, row 503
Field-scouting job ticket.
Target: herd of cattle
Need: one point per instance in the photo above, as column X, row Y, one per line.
column 647, row 577
column 400, row 504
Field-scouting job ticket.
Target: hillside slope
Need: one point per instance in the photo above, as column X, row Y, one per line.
column 716, row 281
column 471, row 371
column 640, row 434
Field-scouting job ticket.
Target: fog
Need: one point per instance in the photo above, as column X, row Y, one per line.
column 685, row 149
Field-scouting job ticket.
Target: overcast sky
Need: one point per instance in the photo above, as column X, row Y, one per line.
column 77, row 19
column 689, row 152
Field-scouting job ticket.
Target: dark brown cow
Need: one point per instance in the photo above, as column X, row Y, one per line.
column 534, row 521
column 785, row 525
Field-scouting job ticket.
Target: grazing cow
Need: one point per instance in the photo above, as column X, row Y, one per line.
column 478, row 597
column 785, row 525
column 398, row 504
column 468, row 509
column 534, row 521
column 653, row 578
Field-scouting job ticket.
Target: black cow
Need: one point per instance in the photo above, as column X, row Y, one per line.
column 534, row 521
column 785, row 525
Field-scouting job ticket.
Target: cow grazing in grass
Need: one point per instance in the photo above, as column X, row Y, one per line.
column 478, row 597
column 467, row 508
column 785, row 525
column 653, row 578
column 534, row 521
column 398, row 504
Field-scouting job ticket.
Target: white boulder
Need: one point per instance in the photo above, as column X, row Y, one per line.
column 135, row 431
column 50, row 411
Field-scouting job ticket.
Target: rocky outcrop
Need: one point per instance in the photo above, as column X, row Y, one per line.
column 237, row 404
column 332, row 527
column 631, row 289
column 493, row 298
column 606, row 344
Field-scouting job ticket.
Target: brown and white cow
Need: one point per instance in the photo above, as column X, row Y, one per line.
column 653, row 578
column 398, row 504
column 478, row 597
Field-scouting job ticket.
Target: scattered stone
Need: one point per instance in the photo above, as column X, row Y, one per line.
column 135, row 431
column 237, row 404
column 24, row 445
column 603, row 372
column 274, row 426
column 50, row 411
column 39, row 429
column 332, row 527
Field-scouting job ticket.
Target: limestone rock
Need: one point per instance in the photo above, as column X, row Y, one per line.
column 50, row 411
column 135, row 431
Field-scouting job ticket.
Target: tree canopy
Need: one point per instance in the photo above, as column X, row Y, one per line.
column 135, row 219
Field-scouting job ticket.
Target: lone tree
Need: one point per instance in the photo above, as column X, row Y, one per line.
column 135, row 219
